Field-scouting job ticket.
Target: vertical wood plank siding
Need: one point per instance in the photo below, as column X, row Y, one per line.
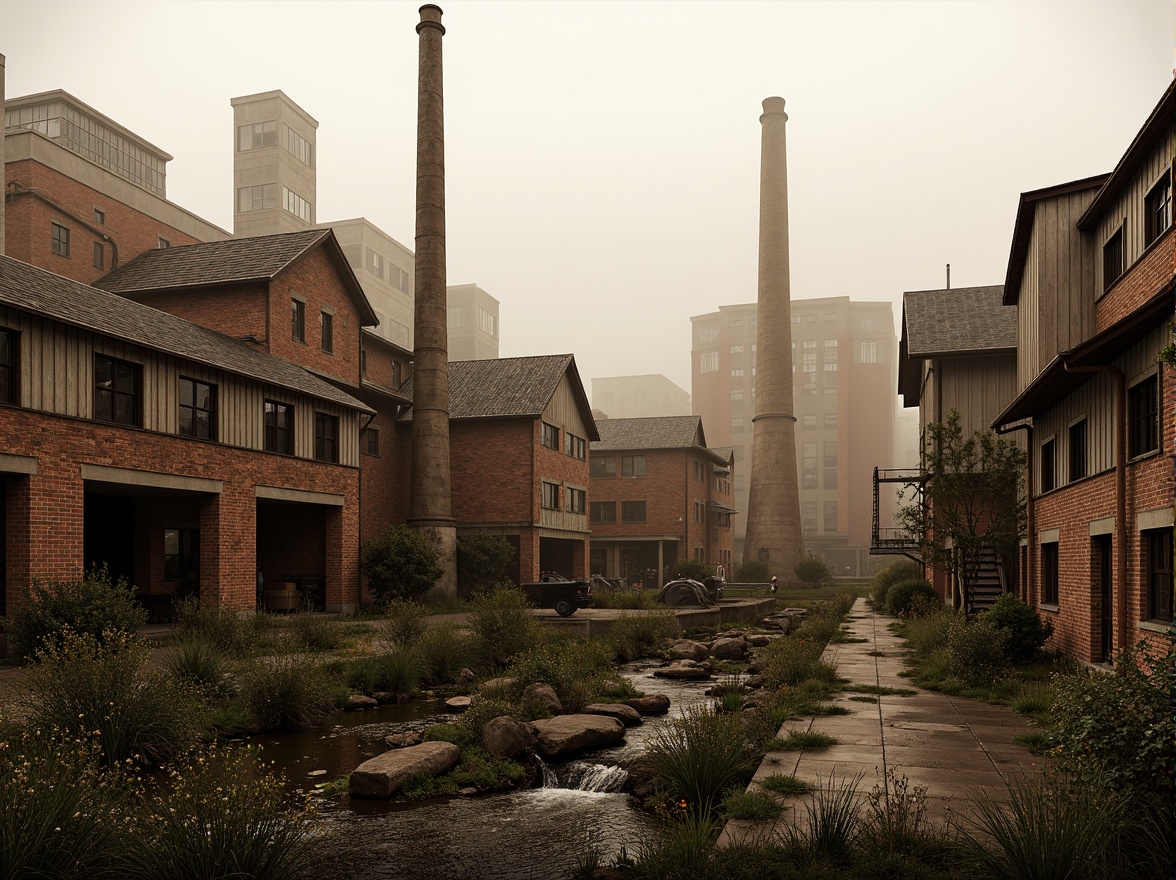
column 1128, row 210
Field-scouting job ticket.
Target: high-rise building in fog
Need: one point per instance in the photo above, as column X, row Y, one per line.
column 639, row 397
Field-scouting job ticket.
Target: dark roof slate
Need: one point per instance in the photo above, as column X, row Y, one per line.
column 655, row 432
column 964, row 320
column 59, row 299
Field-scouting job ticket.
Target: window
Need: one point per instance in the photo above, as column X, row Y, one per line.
column 709, row 335
column 1157, row 208
column 602, row 466
column 197, row 409
column 375, row 263
column 59, row 240
column 297, row 205
column 831, row 454
column 698, row 473
column 371, row 441
column 808, row 421
column 1078, row 451
column 99, row 256
column 1048, row 466
column 708, row 362
column 326, row 437
column 573, row 445
column 257, row 135
column 808, row 480
column 257, row 198
column 737, row 426
column 297, row 320
column 1158, row 546
column 162, row 243
column 279, row 427
column 632, row 511
column 867, row 352
column 831, row 420
column 327, row 332
column 576, row 499
column 830, row 478
column 9, row 367
column 808, row 516
column 298, row 146
column 116, row 391
column 1049, row 573
column 550, row 497
column 633, row 466
column 603, row 512
column 1113, row 259
column 487, row 322
column 830, row 516
column 1142, row 417
column 99, row 217
column 549, row 436
column 181, row 554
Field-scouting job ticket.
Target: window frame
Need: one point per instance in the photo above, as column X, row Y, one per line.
column 210, row 411
column 1049, row 573
column 1157, row 209
column 327, row 331
column 113, row 395
column 574, row 446
column 99, row 259
column 1048, row 453
column 549, row 436
column 633, row 511
column 371, row 442
column 575, row 500
column 1143, row 424
column 326, row 442
column 298, row 319
column 596, row 508
column 633, row 466
column 1113, row 257
column 602, row 467
column 187, row 550
column 1077, row 465
column 1157, row 569
column 10, row 367
column 275, row 432
column 59, row 239
column 548, row 495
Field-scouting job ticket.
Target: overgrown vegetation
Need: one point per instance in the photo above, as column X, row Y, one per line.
column 401, row 563
column 752, row 572
column 483, row 563
column 896, row 572
column 812, row 570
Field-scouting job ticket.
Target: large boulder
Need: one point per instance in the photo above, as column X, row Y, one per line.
column 565, row 735
column 545, row 695
column 685, row 669
column 384, row 775
column 457, row 705
column 627, row 715
column 687, row 649
column 729, row 648
column 650, row 704
column 507, row 737
column 403, row 740
column 498, row 687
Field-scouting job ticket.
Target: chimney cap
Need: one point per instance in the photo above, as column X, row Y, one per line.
column 773, row 105
column 431, row 17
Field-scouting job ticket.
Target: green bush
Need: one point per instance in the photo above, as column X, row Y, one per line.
column 406, row 622
column 695, row 569
column 85, row 687
column 901, row 596
column 229, row 630
column 445, row 650
column 753, row 572
column 286, row 692
column 401, row 563
column 1023, row 629
column 697, row 756
column 315, row 632
column 975, row 651
column 928, row 634
column 634, row 636
column 576, row 669
column 484, row 562
column 504, row 625
column 93, row 605
column 812, row 570
column 888, row 577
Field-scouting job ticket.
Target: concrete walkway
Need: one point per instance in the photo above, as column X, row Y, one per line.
column 953, row 747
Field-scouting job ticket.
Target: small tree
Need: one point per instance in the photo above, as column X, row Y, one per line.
column 752, row 572
column 484, row 562
column 971, row 505
column 691, row 568
column 812, row 570
column 400, row 564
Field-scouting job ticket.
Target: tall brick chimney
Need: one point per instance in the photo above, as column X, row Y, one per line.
column 430, row 510
column 3, row 184
column 773, row 505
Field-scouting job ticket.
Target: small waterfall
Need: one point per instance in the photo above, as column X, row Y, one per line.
column 580, row 776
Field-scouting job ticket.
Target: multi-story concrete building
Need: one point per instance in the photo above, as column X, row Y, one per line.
column 473, row 323
column 844, row 368
column 638, row 397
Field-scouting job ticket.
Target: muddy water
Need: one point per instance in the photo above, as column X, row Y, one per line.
column 537, row 833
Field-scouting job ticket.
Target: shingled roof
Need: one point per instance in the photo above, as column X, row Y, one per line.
column 510, row 387
column 236, row 261
column 961, row 321
column 42, row 293
column 654, row 432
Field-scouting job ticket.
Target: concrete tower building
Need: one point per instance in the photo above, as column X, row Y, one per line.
column 773, row 507
column 430, row 507
column 274, row 178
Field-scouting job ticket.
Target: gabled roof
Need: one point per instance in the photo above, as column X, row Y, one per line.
column 42, row 293
column 236, row 261
column 1023, row 228
column 497, row 388
column 654, row 432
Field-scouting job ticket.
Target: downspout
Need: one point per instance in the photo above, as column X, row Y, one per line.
column 1120, row 490
column 1030, row 515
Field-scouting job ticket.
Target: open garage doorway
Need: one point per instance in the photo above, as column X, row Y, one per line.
column 562, row 555
column 109, row 535
column 291, row 555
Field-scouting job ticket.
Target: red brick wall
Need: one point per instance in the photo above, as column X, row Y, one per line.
column 27, row 222
column 1141, row 282
column 384, row 487
column 492, row 475
column 238, row 311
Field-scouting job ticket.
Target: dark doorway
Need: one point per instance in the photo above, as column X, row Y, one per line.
column 1106, row 557
column 3, row 546
column 110, row 535
column 555, row 554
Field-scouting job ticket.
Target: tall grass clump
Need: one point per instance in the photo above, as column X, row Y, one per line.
column 888, row 577
column 577, row 669
column 400, row 670
column 788, row 662
column 315, row 632
column 199, row 662
column 929, row 633
column 699, row 755
column 94, row 605
column 682, row 848
column 85, row 687
column 832, row 820
column 286, row 692
column 406, row 622
column 227, row 628
column 635, row 636
column 445, row 651
column 504, row 625
column 221, row 814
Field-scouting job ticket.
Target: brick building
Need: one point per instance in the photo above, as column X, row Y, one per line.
column 1092, row 271
column 659, row 494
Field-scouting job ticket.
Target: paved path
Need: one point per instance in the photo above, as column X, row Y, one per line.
column 953, row 747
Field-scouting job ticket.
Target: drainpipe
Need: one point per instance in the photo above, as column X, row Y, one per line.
column 1030, row 515
column 1120, row 490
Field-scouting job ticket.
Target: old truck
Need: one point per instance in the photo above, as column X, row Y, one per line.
column 555, row 591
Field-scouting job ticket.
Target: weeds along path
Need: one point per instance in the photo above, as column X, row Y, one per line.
column 949, row 749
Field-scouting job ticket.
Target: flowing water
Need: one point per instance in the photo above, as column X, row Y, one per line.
column 536, row 833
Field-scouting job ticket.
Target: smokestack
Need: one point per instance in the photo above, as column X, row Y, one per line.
column 773, row 506
column 429, row 505
column 949, row 276
column 3, row 179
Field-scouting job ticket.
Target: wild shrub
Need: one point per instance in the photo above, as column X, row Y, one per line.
column 752, row 805
column 1023, row 629
column 400, row 563
column 286, row 692
column 832, row 820
column 695, row 569
column 975, row 651
column 94, row 605
column 503, row 625
column 697, row 756
column 928, row 633
column 484, row 562
column 445, row 650
column 902, row 595
column 752, row 572
column 633, row 636
column 575, row 668
column 400, row 670
column 631, row 600
column 728, row 695
column 812, row 570
column 467, row 730
column 227, row 628
column 406, row 622
column 897, row 818
column 199, row 662
column 888, row 577
column 315, row 632
column 84, row 687
column 682, row 848
column 789, row 661
column 220, row 814
column 476, row 768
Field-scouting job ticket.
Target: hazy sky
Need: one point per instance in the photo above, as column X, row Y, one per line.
column 603, row 157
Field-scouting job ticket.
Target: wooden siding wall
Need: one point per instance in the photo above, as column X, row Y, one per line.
column 1056, row 308
column 563, row 412
column 57, row 376
column 1128, row 209
column 978, row 387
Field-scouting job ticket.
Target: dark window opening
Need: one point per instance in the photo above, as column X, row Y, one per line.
column 1078, row 451
column 197, row 409
column 1049, row 573
column 116, row 391
column 326, row 437
column 279, row 427
column 1143, row 417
